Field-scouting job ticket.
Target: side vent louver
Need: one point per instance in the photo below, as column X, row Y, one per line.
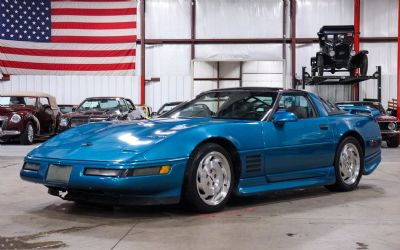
column 253, row 163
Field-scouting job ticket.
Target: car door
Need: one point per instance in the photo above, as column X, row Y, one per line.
column 298, row 149
column 45, row 115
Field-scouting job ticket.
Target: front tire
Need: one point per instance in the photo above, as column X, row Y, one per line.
column 393, row 142
column 28, row 135
column 320, row 65
column 209, row 179
column 348, row 165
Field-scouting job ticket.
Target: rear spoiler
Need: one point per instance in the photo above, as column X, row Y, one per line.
column 360, row 110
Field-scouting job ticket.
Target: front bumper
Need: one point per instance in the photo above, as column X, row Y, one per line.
column 137, row 190
column 387, row 134
column 9, row 132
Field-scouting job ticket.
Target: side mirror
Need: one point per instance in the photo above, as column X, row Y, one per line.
column 153, row 113
column 281, row 117
column 73, row 109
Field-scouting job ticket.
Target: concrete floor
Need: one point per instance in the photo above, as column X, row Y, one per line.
column 368, row 218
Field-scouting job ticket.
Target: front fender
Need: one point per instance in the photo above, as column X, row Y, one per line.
column 244, row 136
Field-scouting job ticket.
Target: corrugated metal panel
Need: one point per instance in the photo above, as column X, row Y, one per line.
column 385, row 55
column 313, row 14
column 171, row 60
column 331, row 92
column 226, row 52
column 168, row 19
column 379, row 18
column 73, row 89
column 239, row 19
column 169, row 89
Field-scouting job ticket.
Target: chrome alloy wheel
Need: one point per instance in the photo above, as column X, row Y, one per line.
column 213, row 178
column 30, row 133
column 349, row 164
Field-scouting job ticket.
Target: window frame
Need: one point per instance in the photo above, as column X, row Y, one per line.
column 275, row 109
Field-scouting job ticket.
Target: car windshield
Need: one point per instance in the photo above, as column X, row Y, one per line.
column 100, row 104
column 166, row 108
column 66, row 109
column 17, row 100
column 242, row 105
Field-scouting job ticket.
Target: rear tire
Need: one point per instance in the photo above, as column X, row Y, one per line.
column 28, row 135
column 348, row 165
column 393, row 142
column 364, row 66
column 209, row 179
column 320, row 65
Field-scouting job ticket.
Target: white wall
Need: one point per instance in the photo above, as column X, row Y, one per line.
column 74, row 89
column 231, row 19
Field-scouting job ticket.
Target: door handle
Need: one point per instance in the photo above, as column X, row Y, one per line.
column 323, row 127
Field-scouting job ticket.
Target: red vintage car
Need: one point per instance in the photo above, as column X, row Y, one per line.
column 28, row 115
column 389, row 125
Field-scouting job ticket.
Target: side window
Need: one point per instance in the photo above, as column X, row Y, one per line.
column 130, row 104
column 297, row 104
column 43, row 101
column 123, row 106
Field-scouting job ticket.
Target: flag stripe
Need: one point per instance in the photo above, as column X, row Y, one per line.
column 18, row 71
column 66, row 46
column 69, row 53
column 98, row 33
column 91, row 1
column 93, row 12
column 94, row 19
column 93, row 39
column 67, row 67
column 93, row 26
column 90, row 5
column 67, row 60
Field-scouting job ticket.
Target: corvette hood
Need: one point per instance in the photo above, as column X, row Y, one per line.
column 114, row 141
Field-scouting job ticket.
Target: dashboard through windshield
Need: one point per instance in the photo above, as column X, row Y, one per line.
column 241, row 105
column 101, row 104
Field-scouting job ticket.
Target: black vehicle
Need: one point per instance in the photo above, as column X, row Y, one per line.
column 97, row 109
column 165, row 108
column 337, row 53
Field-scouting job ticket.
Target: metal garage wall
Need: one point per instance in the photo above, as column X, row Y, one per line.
column 379, row 18
column 73, row 89
column 171, row 63
column 313, row 14
column 168, row 18
column 238, row 18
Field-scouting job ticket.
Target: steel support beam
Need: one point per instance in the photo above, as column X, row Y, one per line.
column 142, row 53
column 357, row 13
column 398, row 61
column 293, row 40
column 193, row 30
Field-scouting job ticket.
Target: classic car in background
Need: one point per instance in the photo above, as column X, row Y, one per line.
column 241, row 140
column 97, row 109
column 337, row 53
column 145, row 110
column 67, row 108
column 165, row 108
column 27, row 115
column 389, row 125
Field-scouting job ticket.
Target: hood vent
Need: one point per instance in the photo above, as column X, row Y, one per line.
column 253, row 163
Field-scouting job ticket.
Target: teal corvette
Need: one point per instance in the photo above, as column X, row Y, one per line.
column 239, row 141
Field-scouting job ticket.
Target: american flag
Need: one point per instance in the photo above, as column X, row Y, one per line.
column 68, row 37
